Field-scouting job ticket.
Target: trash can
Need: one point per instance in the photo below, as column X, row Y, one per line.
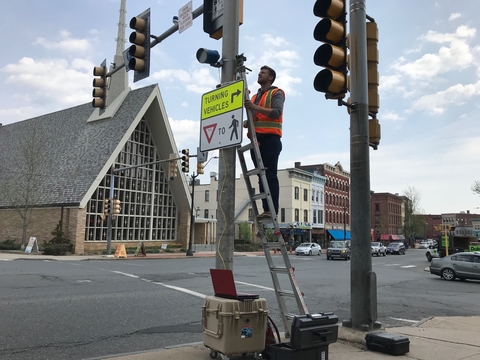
column 233, row 326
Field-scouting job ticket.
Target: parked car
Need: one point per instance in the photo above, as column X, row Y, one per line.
column 308, row 249
column 338, row 249
column 423, row 244
column 378, row 249
column 465, row 265
column 432, row 252
column 396, row 248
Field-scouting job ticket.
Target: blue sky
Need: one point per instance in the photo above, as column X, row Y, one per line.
column 429, row 81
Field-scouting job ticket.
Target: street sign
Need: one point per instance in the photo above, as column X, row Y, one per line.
column 202, row 156
column 221, row 117
column 185, row 17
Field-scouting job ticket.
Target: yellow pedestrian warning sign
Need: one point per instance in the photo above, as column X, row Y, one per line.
column 121, row 252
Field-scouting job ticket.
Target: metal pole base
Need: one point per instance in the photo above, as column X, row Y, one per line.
column 189, row 252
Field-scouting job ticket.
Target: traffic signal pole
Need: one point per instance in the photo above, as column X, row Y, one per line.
column 363, row 282
column 227, row 163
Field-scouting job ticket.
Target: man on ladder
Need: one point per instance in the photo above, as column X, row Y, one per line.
column 267, row 112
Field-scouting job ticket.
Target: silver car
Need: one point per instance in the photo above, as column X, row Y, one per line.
column 461, row 266
column 308, row 249
column 378, row 249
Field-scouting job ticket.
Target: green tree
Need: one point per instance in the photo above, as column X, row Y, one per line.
column 245, row 232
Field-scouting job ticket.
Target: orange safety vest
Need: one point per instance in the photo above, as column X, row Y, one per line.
column 264, row 124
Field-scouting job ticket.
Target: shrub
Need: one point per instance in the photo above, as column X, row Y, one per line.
column 9, row 245
column 59, row 244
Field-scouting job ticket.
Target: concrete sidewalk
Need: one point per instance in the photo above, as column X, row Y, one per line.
column 438, row 338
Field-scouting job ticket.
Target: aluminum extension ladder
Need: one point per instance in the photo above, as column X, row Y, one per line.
column 284, row 289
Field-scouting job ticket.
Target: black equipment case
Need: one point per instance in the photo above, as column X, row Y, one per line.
column 392, row 344
column 309, row 338
column 314, row 330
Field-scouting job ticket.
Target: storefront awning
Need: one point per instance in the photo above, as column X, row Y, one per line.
column 392, row 237
column 337, row 234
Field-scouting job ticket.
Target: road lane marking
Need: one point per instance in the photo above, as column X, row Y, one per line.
column 257, row 286
column 190, row 292
column 408, row 266
column 405, row 320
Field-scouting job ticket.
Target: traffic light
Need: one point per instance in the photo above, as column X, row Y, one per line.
column 116, row 206
column 140, row 48
column 185, row 160
column 106, row 210
column 200, row 167
column 172, row 169
column 99, row 92
column 374, row 133
column 372, row 60
column 332, row 31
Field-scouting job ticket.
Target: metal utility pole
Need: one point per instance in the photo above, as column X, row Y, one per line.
column 192, row 218
column 227, row 163
column 363, row 281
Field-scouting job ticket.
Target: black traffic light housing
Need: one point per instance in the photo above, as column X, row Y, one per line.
column 99, row 92
column 332, row 31
column 140, row 48
column 185, row 160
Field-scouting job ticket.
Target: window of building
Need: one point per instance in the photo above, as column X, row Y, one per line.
column 314, row 216
column 305, row 195
column 297, row 215
column 205, row 213
column 305, row 215
column 320, row 216
column 207, row 195
column 377, row 207
column 148, row 209
column 282, row 215
column 297, row 193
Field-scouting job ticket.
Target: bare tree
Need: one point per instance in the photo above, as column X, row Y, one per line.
column 476, row 187
column 414, row 224
column 22, row 186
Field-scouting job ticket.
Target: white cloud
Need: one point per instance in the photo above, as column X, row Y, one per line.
column 454, row 16
column 185, row 131
column 269, row 40
column 389, row 82
column 390, row 115
column 65, row 43
column 53, row 80
column 198, row 81
column 455, row 95
column 457, row 55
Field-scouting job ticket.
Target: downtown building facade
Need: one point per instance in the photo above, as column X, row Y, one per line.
column 312, row 206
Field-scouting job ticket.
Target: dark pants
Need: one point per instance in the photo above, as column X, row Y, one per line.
column 270, row 147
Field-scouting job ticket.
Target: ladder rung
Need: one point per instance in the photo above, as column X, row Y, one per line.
column 286, row 293
column 290, row 316
column 259, row 196
column 245, row 148
column 252, row 172
column 279, row 269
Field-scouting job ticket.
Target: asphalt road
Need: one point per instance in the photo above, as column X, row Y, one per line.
column 92, row 309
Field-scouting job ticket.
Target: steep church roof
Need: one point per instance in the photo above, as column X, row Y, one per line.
column 72, row 154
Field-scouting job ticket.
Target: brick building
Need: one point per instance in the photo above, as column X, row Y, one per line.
column 337, row 200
